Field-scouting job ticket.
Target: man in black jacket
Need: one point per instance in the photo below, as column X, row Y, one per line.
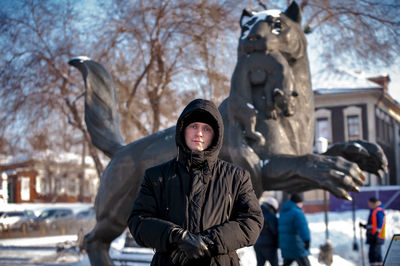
column 196, row 209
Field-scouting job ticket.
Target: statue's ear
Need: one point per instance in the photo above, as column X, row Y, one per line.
column 293, row 12
column 246, row 15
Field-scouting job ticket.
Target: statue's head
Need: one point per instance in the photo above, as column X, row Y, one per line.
column 270, row 44
column 273, row 30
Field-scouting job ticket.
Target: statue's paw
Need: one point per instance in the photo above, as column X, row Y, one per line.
column 376, row 162
column 369, row 156
column 334, row 173
column 342, row 183
column 344, row 176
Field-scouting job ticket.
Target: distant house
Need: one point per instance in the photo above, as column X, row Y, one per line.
column 351, row 106
column 358, row 107
column 48, row 177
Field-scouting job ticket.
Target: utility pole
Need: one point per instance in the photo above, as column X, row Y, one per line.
column 326, row 250
column 353, row 207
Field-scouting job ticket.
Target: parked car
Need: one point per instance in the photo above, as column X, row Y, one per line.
column 86, row 220
column 17, row 220
column 55, row 218
column 86, row 214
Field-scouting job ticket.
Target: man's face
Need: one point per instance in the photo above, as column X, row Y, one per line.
column 371, row 205
column 198, row 136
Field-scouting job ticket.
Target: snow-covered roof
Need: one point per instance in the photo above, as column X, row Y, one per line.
column 47, row 155
column 336, row 91
column 342, row 79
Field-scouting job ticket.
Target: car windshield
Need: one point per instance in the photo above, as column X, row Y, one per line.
column 47, row 213
column 30, row 213
column 14, row 214
column 83, row 213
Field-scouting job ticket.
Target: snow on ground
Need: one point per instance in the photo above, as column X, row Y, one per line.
column 48, row 241
column 341, row 235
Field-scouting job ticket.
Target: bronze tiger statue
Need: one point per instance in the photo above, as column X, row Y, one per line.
column 272, row 137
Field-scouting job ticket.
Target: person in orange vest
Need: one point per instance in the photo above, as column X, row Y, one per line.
column 375, row 231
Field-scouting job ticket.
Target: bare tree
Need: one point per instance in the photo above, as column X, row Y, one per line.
column 148, row 46
column 37, row 94
column 161, row 55
column 153, row 48
column 216, row 36
column 351, row 32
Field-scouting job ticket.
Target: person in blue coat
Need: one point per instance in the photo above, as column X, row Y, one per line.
column 266, row 247
column 294, row 234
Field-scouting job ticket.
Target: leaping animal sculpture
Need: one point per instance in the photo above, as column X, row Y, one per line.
column 268, row 120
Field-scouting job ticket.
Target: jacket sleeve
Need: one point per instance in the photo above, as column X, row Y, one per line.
column 301, row 226
column 273, row 227
column 145, row 227
column 245, row 223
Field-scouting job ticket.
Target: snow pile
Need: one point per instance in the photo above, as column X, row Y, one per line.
column 48, row 241
column 341, row 235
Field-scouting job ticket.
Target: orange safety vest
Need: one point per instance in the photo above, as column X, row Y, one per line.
column 375, row 223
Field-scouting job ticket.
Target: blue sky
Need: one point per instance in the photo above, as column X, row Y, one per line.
column 394, row 85
column 393, row 71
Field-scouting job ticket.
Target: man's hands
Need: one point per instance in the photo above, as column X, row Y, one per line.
column 188, row 246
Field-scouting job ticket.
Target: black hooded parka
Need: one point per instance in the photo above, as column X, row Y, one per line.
column 197, row 192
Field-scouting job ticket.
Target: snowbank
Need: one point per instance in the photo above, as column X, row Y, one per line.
column 341, row 235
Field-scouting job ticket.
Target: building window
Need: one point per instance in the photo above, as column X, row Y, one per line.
column 323, row 129
column 3, row 178
column 25, row 188
column 323, row 124
column 352, row 124
column 73, row 186
column 384, row 128
column 353, row 127
column 39, row 185
column 59, row 186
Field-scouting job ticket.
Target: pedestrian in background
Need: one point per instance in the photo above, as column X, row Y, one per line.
column 266, row 247
column 375, row 231
column 293, row 231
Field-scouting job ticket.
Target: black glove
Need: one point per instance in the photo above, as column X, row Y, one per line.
column 179, row 257
column 307, row 244
column 210, row 244
column 192, row 245
column 363, row 225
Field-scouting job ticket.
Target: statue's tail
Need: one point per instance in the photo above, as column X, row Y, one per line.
column 101, row 115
